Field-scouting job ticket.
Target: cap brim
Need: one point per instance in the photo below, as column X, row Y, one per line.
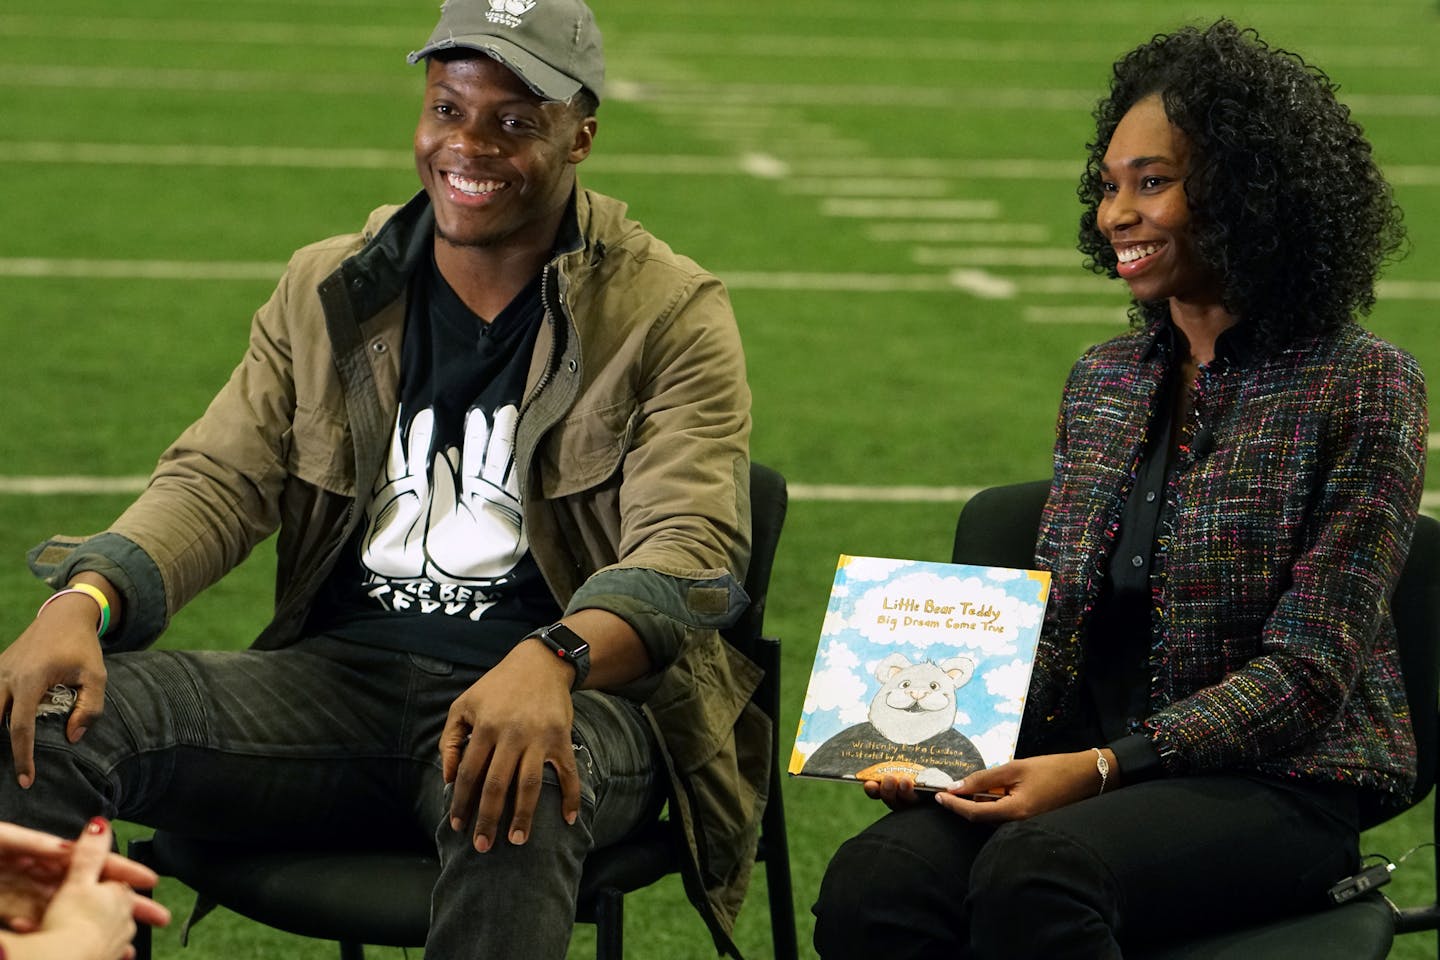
column 547, row 82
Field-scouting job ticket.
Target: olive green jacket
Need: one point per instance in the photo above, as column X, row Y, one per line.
column 632, row 442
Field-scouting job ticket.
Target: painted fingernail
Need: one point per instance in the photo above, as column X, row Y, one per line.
column 97, row 825
column 571, row 817
column 482, row 843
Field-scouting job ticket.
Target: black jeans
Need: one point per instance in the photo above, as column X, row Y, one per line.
column 1154, row 860
column 327, row 740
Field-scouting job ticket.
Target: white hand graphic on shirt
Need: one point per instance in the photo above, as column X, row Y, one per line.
column 476, row 533
column 395, row 542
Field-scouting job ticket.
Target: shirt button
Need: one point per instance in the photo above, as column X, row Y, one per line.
column 1150, row 497
column 1137, row 561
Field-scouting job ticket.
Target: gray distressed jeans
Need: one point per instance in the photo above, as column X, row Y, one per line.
column 326, row 740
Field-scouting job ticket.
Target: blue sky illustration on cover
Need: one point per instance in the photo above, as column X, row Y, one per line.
column 925, row 611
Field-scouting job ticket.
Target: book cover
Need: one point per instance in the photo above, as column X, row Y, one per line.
column 921, row 670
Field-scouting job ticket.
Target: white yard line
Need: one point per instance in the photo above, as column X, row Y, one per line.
column 50, row 486
column 768, row 165
column 804, row 492
column 779, row 43
column 980, row 282
column 401, row 83
column 209, row 81
column 41, row 267
column 789, row 46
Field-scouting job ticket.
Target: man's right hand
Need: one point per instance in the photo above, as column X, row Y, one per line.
column 60, row 646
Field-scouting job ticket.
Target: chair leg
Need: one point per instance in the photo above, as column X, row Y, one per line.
column 351, row 951
column 609, row 925
column 139, row 851
column 782, row 908
column 141, row 942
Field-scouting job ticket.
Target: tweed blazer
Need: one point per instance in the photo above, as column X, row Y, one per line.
column 1281, row 537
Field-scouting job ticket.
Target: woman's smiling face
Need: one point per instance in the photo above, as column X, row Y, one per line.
column 1144, row 212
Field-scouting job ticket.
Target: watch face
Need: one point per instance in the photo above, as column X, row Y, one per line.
column 564, row 641
column 569, row 647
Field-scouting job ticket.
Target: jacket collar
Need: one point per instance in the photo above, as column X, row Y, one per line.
column 400, row 243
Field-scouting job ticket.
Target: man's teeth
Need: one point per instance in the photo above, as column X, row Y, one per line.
column 1131, row 254
column 474, row 187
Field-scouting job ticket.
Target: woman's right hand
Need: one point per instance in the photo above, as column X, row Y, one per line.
column 59, row 647
column 95, row 918
column 91, row 914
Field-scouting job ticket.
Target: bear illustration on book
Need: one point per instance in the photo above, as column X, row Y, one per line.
column 911, row 731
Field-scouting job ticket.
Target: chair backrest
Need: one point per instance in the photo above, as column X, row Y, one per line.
column 1416, row 608
column 999, row 525
column 769, row 499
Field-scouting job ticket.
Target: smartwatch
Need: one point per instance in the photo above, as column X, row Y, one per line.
column 567, row 645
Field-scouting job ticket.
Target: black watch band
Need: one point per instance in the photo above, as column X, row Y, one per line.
column 567, row 645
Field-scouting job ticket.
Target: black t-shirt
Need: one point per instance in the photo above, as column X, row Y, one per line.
column 441, row 565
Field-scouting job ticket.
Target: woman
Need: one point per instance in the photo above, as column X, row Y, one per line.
column 1236, row 480
column 70, row 901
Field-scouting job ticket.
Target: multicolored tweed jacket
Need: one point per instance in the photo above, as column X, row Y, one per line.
column 1282, row 536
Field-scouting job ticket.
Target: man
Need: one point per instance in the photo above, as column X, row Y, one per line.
column 501, row 407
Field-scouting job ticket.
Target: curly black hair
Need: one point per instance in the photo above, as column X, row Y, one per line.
column 1288, row 207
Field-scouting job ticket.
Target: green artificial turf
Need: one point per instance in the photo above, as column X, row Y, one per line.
column 161, row 161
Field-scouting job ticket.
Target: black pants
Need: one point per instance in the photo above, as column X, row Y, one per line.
column 1154, row 860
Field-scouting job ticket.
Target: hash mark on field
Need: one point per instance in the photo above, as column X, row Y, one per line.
column 866, row 187
column 1106, row 316
column 764, row 166
column 986, row 286
column 988, row 256
column 959, row 232
column 916, row 209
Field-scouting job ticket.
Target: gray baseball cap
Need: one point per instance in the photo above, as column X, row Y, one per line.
column 553, row 45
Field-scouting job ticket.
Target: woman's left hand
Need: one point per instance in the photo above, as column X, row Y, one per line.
column 1025, row 787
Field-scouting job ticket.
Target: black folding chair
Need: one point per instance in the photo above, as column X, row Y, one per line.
column 382, row 896
column 998, row 527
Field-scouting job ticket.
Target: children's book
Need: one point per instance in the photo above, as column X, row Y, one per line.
column 922, row 670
